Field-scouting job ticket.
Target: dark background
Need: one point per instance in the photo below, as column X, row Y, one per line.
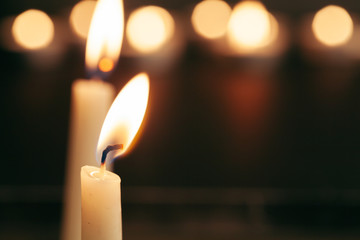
column 232, row 146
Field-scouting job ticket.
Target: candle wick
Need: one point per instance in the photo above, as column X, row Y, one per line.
column 102, row 168
column 109, row 149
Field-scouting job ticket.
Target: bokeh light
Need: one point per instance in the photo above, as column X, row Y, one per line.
column 332, row 25
column 80, row 17
column 210, row 18
column 274, row 31
column 33, row 29
column 149, row 28
column 249, row 25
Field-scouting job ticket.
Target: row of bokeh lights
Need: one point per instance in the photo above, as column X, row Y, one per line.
column 148, row 28
column 247, row 27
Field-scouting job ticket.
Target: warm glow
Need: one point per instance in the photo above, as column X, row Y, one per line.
column 106, row 33
column 80, row 17
column 106, row 65
column 33, row 29
column 125, row 116
column 274, row 31
column 210, row 18
column 249, row 24
column 332, row 25
column 149, row 28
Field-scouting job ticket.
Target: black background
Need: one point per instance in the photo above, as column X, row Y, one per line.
column 231, row 146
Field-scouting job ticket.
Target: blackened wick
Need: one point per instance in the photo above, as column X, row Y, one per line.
column 109, row 149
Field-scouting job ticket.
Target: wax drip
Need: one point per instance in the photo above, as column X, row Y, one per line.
column 109, row 149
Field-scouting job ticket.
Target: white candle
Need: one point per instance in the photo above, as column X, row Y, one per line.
column 100, row 189
column 90, row 102
column 101, row 204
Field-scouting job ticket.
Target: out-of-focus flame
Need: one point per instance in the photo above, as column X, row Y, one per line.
column 149, row 28
column 210, row 18
column 33, row 29
column 80, row 17
column 125, row 116
column 332, row 25
column 105, row 33
column 249, row 25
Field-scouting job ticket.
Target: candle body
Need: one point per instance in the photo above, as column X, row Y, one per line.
column 90, row 102
column 100, row 205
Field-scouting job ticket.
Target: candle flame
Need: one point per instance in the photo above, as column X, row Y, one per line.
column 105, row 34
column 124, row 117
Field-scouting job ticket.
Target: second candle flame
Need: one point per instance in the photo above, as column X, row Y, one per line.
column 105, row 34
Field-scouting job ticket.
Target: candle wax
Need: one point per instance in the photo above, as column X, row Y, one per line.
column 90, row 102
column 100, row 205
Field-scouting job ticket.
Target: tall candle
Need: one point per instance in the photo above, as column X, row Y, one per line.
column 90, row 101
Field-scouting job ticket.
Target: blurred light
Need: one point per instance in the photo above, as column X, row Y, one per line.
column 210, row 18
column 249, row 25
column 105, row 33
column 332, row 25
column 106, row 65
column 274, row 31
column 149, row 28
column 33, row 29
column 80, row 17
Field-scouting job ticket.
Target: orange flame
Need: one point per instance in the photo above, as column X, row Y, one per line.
column 106, row 64
column 125, row 116
column 105, row 33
